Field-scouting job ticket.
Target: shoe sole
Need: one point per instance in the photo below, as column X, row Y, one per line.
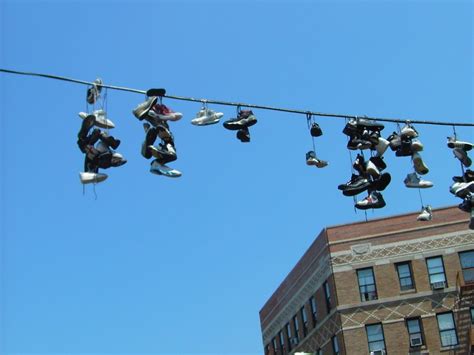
column 464, row 146
column 355, row 191
column 92, row 178
column 419, row 166
column 368, row 207
column 205, row 123
column 172, row 174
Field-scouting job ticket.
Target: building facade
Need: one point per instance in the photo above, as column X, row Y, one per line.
column 387, row 286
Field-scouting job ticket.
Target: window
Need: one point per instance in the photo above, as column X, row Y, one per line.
column 327, row 293
column 447, row 329
column 297, row 328
column 304, row 317
column 367, row 284
column 415, row 333
column 375, row 337
column 467, row 265
column 274, row 344
column 335, row 345
column 282, row 342
column 314, row 309
column 405, row 276
column 288, row 335
column 436, row 272
column 472, row 315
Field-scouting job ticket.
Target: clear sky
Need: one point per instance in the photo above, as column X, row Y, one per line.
column 162, row 266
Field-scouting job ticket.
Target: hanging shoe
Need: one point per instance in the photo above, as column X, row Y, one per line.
column 466, row 205
column 162, row 112
column 110, row 141
column 408, row 131
column 379, row 163
column 468, row 175
column 165, row 153
column 117, row 160
column 404, row 149
column 358, row 144
column 381, row 183
column 355, row 186
column 453, row 143
column 92, row 178
column 419, row 165
column 381, row 146
column 359, row 164
column 363, row 123
column 142, row 109
column 413, row 181
column 416, row 145
column 371, row 169
column 150, row 139
column 206, row 117
column 351, row 129
column 101, row 120
column 374, row 200
column 243, row 135
column 161, row 169
column 426, row 214
column 395, row 141
column 315, row 130
column 462, row 189
column 312, row 160
column 86, row 125
column 94, row 91
column 245, row 118
column 462, row 156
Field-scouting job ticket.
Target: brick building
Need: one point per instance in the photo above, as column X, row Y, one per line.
column 387, row 286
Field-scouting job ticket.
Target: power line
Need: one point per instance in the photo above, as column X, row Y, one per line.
column 241, row 104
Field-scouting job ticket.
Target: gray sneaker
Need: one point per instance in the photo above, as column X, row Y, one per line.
column 462, row 156
column 142, row 109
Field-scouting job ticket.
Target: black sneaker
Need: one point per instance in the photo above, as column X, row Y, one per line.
column 315, row 130
column 359, row 164
column 150, row 138
column 105, row 160
column 364, row 123
column 351, row 129
column 245, row 118
column 358, row 144
column 109, row 141
column 356, row 186
column 378, row 162
column 465, row 205
column 381, row 183
column 243, row 135
column 86, row 125
column 404, row 150
column 469, row 175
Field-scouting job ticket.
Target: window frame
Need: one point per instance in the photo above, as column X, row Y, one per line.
column 288, row 335
column 472, row 315
column 327, row 296
column 412, row 279
column 468, row 269
column 274, row 345
column 335, row 345
column 362, row 294
column 282, row 341
column 447, row 330
column 420, row 332
column 314, row 309
column 367, row 326
column 304, row 320
column 438, row 273
column 296, row 328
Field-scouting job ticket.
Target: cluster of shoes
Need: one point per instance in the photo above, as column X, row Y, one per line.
column 241, row 124
column 365, row 134
column 463, row 186
column 311, row 158
column 97, row 145
column 157, row 116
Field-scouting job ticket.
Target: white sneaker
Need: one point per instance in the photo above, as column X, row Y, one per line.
column 92, row 178
column 382, row 146
column 419, row 165
column 425, row 215
column 161, row 169
column 206, row 116
column 101, row 120
column 164, row 113
column 453, row 143
column 371, row 169
column 412, row 180
column 416, row 145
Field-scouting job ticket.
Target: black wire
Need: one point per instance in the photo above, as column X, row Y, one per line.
column 239, row 104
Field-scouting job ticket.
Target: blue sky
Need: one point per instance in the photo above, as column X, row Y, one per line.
column 162, row 266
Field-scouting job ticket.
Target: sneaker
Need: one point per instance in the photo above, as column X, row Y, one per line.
column 462, row 189
column 395, row 141
column 358, row 144
column 469, row 175
column 371, row 169
column 462, row 156
column 453, row 143
column 312, row 160
column 142, row 109
column 355, row 186
column 381, row 146
column 101, row 120
column 315, row 130
column 243, row 135
column 245, row 118
column 166, row 153
column 359, row 164
column 381, row 183
column 404, row 149
column 110, row 141
column 379, row 163
column 374, row 200
column 372, row 125
column 93, row 92
column 206, row 116
column 161, row 169
column 426, row 214
column 117, row 160
column 416, row 145
column 466, row 205
column 150, row 138
column 412, row 180
column 408, row 131
column 419, row 165
column 351, row 129
column 92, row 178
column 86, row 125
column 162, row 112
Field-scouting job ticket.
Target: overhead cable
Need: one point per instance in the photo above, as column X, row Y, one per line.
column 241, row 104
